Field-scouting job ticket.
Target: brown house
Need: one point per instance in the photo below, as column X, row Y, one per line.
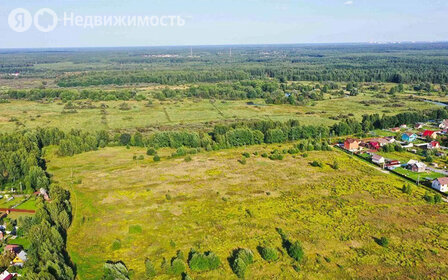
column 351, row 144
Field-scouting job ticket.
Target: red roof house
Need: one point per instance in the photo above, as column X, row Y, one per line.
column 434, row 145
column 430, row 134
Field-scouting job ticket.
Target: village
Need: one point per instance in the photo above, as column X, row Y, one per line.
column 414, row 153
column 13, row 207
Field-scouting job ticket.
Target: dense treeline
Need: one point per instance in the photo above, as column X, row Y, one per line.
column 72, row 94
column 22, row 167
column 47, row 233
column 407, row 73
column 20, row 162
column 230, row 135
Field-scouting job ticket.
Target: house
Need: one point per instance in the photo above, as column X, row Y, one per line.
column 351, row 144
column 403, row 126
column 395, row 129
column 440, row 184
column 389, row 139
column 13, row 248
column 6, row 275
column 444, row 124
column 430, row 134
column 374, row 145
column 433, row 145
column 377, row 159
column 418, row 126
column 20, row 259
column 391, row 165
column 408, row 137
column 416, row 166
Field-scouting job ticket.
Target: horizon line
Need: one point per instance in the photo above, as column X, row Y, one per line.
column 230, row 45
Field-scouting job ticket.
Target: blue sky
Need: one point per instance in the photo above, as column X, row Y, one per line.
column 216, row 22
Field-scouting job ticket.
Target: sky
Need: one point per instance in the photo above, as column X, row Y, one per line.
column 227, row 22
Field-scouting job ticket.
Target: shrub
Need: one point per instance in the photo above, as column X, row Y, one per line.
column 429, row 198
column 269, row 254
column 151, row 151
column 246, row 155
column 177, row 266
column 242, row 161
column 265, row 155
column 116, row 245
column 335, row 165
column 188, row 158
column 239, row 268
column 239, row 261
column 150, row 270
column 383, row 241
column 156, row 158
column 317, row 164
column 203, row 262
column 276, row 156
column 141, row 157
column 115, row 271
column 437, row 198
column 295, row 251
column 407, row 189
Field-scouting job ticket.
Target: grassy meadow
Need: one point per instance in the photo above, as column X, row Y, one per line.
column 129, row 210
column 29, row 114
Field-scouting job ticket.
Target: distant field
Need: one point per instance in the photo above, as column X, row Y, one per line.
column 215, row 203
column 20, row 114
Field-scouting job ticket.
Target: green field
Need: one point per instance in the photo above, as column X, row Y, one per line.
column 215, row 203
column 21, row 114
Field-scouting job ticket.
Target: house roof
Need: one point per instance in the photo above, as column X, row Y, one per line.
column 350, row 140
column 394, row 162
column 434, row 143
column 428, row 133
column 5, row 275
column 376, row 157
column 22, row 255
column 420, row 165
column 443, row 180
column 409, row 134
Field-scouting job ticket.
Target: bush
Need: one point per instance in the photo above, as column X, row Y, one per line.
column 151, row 151
column 437, row 198
column 116, row 245
column 239, row 261
column 295, row 251
column 156, row 158
column 276, row 156
column 188, row 158
column 203, row 262
column 269, row 254
column 246, row 155
column 335, row 165
column 265, row 155
column 317, row 164
column 383, row 241
column 141, row 157
column 242, row 161
column 407, row 189
column 177, row 267
column 150, row 270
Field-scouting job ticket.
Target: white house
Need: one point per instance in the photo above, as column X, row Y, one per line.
column 440, row 184
column 444, row 124
column 378, row 159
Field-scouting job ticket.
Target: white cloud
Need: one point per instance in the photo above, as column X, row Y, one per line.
column 348, row 2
